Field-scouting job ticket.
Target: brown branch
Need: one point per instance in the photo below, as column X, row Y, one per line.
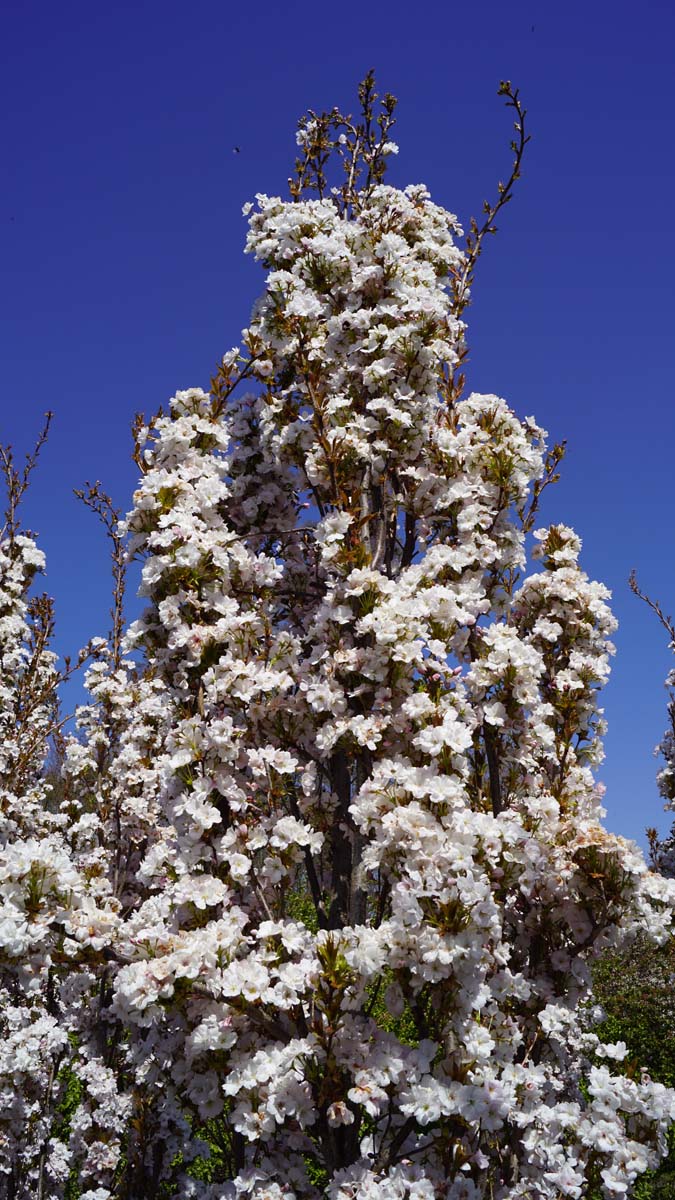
column 551, row 475
column 100, row 503
column 490, row 740
column 16, row 482
column 666, row 621
column 461, row 284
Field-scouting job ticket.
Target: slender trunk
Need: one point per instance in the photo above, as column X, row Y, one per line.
column 348, row 902
column 493, row 769
column 340, row 843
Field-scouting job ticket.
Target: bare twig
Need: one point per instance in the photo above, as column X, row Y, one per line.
column 100, row 503
column 463, row 279
column 16, row 482
column 554, row 458
column 666, row 621
column 361, row 145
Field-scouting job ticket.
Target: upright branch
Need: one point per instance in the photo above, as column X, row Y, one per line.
column 99, row 502
column 362, row 146
column 550, row 474
column 34, row 687
column 16, row 481
column 666, row 621
column 662, row 851
column 463, row 279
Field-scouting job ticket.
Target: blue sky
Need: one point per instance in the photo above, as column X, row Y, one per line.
column 121, row 242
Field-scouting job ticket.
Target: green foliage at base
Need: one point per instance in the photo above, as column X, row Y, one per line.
column 71, row 1094
column 636, row 988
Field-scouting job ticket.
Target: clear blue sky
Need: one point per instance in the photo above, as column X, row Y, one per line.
column 123, row 276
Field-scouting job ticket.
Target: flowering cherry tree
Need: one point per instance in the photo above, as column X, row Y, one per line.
column 316, row 913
